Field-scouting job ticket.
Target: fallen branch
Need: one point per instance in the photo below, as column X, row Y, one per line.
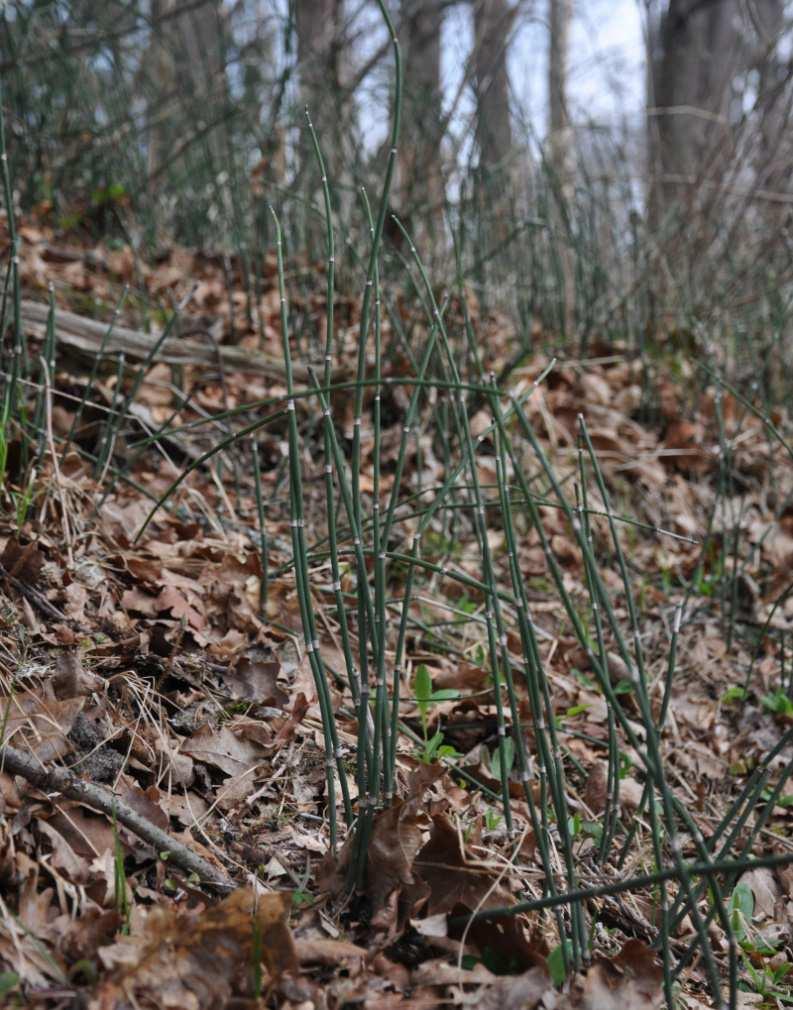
column 86, row 335
column 33, row 596
column 61, row 780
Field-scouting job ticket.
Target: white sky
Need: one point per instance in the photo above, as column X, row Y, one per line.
column 606, row 60
column 606, row 66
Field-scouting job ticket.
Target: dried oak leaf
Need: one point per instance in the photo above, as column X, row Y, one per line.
column 633, row 980
column 395, row 840
column 451, row 878
column 255, row 680
column 287, row 727
column 82, row 936
column 683, row 442
column 175, row 602
column 516, row 992
column 70, row 678
column 223, row 749
column 331, row 953
column 22, row 562
column 39, row 723
column 596, row 789
column 458, row 886
column 198, row 960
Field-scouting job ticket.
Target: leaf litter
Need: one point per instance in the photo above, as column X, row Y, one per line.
column 156, row 670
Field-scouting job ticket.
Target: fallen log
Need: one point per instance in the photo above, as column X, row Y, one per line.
column 86, row 335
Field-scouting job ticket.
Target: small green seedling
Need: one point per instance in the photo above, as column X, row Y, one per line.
column 574, row 825
column 626, row 764
column 425, row 698
column 434, row 749
column 741, row 909
column 120, row 881
column 556, row 962
column 770, row 983
column 23, row 500
column 509, row 758
column 570, row 713
column 301, row 898
column 425, row 695
column 492, row 819
column 780, row 704
column 733, row 694
column 9, row 981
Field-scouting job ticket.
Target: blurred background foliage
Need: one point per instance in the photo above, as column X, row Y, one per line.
column 156, row 121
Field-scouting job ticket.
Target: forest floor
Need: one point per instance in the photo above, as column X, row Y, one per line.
column 156, row 668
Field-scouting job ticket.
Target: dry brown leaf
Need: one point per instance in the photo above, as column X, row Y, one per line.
column 223, row 749
column 38, row 723
column 396, row 838
column 766, row 891
column 451, row 878
column 256, row 681
column 173, row 601
column 198, row 960
column 516, row 992
column 332, row 953
column 70, row 678
column 633, row 980
column 596, row 789
column 22, row 562
column 458, row 885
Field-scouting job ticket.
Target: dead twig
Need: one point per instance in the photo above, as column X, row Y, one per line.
column 65, row 782
column 32, row 595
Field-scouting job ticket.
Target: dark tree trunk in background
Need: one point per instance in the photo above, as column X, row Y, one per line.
column 774, row 102
column 493, row 20
column 492, row 26
column 320, row 46
column 560, row 13
column 419, row 194
column 188, row 90
column 695, row 53
column 160, row 69
column 560, row 17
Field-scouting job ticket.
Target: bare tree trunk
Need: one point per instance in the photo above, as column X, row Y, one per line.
column 774, row 167
column 560, row 17
column 493, row 21
column 319, row 50
column 774, row 164
column 696, row 52
column 160, row 68
column 420, row 187
column 187, row 83
column 492, row 24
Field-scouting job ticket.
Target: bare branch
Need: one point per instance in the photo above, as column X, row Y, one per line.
column 65, row 782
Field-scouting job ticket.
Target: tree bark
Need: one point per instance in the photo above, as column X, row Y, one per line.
column 419, row 194
column 774, row 101
column 695, row 54
column 560, row 16
column 493, row 21
column 492, row 25
column 185, row 57
column 160, row 68
column 320, row 46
